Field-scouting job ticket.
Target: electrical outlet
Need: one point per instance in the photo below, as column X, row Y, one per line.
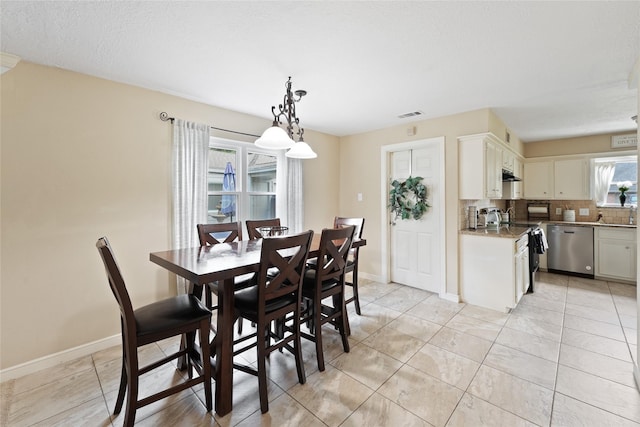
column 359, row 197
column 584, row 212
column 558, row 211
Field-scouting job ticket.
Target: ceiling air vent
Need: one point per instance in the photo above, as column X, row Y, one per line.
column 411, row 114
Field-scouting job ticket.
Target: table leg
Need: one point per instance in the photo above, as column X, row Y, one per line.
column 224, row 349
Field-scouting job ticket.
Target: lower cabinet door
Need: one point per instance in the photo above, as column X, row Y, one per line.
column 616, row 259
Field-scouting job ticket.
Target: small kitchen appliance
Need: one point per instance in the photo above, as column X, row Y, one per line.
column 489, row 217
column 473, row 217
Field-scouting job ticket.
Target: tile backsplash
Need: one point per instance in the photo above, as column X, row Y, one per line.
column 463, row 220
column 612, row 215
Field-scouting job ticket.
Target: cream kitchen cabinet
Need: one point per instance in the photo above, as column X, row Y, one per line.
column 615, row 253
column 557, row 179
column 571, row 179
column 508, row 161
column 480, row 167
column 538, row 180
column 494, row 271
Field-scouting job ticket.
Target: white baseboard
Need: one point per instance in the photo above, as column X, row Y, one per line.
column 58, row 358
column 372, row 277
column 450, row 297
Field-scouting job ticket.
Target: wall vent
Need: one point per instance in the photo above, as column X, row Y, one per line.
column 411, row 114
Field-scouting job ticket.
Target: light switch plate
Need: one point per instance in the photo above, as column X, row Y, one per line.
column 584, row 212
column 558, row 211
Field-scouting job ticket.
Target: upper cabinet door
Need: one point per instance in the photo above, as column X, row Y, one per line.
column 571, row 179
column 480, row 167
column 538, row 180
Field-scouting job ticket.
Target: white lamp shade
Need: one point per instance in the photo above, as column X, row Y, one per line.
column 301, row 150
column 275, row 138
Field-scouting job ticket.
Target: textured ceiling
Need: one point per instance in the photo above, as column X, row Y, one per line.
column 548, row 69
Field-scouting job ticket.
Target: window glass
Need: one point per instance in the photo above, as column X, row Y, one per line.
column 262, row 172
column 221, row 179
column 626, row 172
column 241, row 181
column 262, row 207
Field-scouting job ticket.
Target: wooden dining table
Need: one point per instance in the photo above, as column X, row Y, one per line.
column 221, row 263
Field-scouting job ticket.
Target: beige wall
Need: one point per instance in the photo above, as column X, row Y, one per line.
column 360, row 170
column 84, row 157
column 499, row 129
column 568, row 146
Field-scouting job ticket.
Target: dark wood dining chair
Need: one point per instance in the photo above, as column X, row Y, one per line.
column 352, row 260
column 181, row 315
column 324, row 281
column 277, row 296
column 214, row 234
column 253, row 225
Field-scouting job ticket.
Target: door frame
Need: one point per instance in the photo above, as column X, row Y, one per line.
column 385, row 216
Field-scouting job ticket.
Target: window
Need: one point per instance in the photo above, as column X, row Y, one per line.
column 625, row 169
column 241, row 181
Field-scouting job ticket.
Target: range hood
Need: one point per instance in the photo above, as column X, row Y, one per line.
column 508, row 176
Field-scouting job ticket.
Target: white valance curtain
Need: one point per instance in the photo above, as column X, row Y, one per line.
column 603, row 175
column 189, row 184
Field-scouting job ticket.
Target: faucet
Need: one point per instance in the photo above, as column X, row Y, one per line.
column 631, row 210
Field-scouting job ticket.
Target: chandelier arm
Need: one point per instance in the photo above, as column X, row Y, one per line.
column 287, row 112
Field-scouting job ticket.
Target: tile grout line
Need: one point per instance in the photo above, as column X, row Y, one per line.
column 555, row 381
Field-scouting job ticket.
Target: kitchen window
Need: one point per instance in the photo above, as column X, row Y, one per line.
column 609, row 172
column 241, row 181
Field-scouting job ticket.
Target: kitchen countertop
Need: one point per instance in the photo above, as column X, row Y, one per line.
column 506, row 231
column 591, row 224
column 515, row 231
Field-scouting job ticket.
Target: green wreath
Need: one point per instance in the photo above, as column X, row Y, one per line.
column 408, row 199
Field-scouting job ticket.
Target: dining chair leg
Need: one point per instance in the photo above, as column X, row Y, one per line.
column 354, row 285
column 262, row 369
column 123, row 387
column 132, row 392
column 344, row 327
column 317, row 314
column 298, row 350
column 206, row 363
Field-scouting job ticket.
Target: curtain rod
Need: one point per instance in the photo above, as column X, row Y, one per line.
column 165, row 118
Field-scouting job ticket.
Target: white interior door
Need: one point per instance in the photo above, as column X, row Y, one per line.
column 415, row 245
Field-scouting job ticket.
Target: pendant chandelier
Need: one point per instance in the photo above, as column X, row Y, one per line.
column 277, row 138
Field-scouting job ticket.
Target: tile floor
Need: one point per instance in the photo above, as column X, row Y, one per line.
column 562, row 358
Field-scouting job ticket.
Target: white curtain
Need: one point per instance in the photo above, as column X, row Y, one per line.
column 603, row 176
column 289, row 197
column 190, row 158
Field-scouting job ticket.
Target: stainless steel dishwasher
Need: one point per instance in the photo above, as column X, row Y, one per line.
column 570, row 249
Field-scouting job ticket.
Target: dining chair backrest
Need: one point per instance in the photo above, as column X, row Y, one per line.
column 232, row 231
column 288, row 255
column 335, row 244
column 253, row 225
column 339, row 222
column 352, row 262
column 117, row 285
